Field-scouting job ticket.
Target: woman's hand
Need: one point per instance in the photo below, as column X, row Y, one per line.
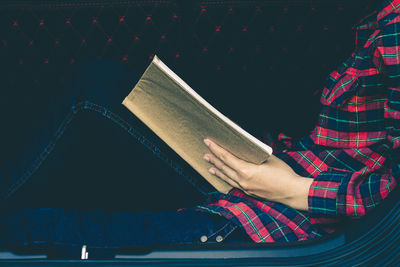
column 273, row 180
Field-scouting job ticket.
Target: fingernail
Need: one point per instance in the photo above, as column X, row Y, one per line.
column 212, row 171
column 206, row 158
column 207, row 142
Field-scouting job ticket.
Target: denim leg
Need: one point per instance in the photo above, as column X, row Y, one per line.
column 70, row 230
column 90, row 104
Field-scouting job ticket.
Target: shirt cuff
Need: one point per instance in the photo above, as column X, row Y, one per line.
column 325, row 194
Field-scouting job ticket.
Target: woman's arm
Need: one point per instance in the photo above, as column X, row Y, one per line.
column 273, row 180
column 330, row 192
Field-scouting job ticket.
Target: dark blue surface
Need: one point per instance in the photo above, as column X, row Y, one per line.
column 88, row 151
column 97, row 90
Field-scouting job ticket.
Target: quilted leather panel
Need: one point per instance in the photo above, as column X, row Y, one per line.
column 263, row 56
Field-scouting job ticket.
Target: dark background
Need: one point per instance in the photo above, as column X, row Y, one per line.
column 262, row 63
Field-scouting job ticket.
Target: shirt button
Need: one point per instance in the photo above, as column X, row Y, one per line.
column 219, row 238
column 203, row 238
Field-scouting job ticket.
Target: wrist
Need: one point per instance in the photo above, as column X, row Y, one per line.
column 298, row 193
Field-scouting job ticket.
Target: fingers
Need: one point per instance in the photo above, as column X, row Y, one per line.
column 226, row 166
column 220, row 174
column 224, row 156
column 226, row 170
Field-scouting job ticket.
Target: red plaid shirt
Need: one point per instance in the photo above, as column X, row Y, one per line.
column 353, row 152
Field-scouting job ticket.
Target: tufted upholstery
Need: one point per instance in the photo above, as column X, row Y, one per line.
column 267, row 57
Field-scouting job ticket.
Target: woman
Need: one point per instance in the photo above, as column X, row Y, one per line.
column 345, row 167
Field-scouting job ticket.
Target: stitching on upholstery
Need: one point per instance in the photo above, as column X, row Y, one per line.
column 86, row 105
column 83, row 3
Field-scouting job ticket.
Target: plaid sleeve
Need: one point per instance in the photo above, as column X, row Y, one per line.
column 349, row 194
column 388, row 54
column 353, row 194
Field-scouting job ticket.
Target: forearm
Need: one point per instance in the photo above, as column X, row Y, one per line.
column 273, row 180
column 297, row 193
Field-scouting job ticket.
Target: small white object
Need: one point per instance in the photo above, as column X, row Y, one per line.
column 203, row 238
column 84, row 253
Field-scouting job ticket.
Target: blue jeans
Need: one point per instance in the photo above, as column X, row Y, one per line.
column 88, row 152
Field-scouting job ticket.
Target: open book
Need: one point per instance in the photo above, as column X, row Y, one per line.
column 182, row 119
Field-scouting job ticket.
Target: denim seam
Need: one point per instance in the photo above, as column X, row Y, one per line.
column 219, row 230
column 230, row 231
column 86, row 105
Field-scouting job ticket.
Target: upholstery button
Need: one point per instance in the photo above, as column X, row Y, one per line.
column 219, row 238
column 203, row 238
